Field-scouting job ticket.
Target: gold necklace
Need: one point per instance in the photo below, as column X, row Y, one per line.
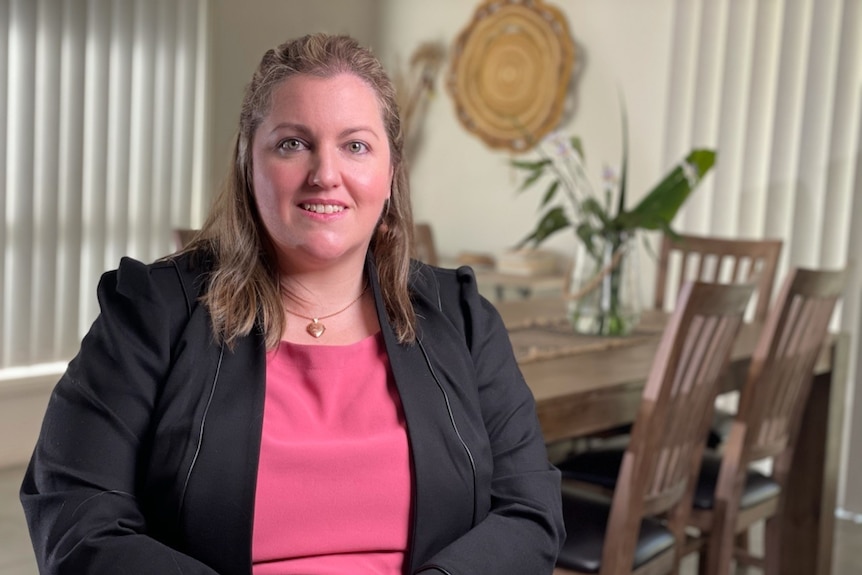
column 315, row 329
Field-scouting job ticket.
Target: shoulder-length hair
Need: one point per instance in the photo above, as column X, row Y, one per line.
column 243, row 285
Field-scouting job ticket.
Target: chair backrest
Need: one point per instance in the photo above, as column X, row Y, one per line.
column 782, row 368
column 719, row 260
column 424, row 249
column 667, row 440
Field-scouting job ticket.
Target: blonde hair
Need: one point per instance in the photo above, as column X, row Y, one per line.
column 243, row 284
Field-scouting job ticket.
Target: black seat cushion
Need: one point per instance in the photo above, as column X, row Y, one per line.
column 594, row 466
column 758, row 487
column 716, row 436
column 586, row 518
column 601, row 467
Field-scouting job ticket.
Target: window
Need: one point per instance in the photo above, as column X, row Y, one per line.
column 102, row 123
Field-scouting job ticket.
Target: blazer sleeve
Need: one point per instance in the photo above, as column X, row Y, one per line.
column 523, row 532
column 79, row 491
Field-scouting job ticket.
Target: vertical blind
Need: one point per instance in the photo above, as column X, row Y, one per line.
column 776, row 87
column 102, row 126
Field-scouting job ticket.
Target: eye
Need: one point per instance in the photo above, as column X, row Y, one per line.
column 291, row 145
column 357, row 147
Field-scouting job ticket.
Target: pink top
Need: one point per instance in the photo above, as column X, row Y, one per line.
column 334, row 485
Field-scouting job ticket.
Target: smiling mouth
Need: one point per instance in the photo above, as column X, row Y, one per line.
column 322, row 209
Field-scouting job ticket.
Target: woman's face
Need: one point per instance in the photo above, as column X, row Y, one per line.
column 321, row 169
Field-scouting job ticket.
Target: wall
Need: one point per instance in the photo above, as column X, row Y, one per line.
column 22, row 405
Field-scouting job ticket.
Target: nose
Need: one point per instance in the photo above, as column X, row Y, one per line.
column 323, row 172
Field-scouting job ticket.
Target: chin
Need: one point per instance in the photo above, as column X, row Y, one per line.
column 333, row 253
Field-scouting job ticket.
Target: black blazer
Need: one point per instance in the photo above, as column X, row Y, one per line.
column 147, row 458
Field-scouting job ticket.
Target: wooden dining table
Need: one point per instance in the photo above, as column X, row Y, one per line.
column 587, row 384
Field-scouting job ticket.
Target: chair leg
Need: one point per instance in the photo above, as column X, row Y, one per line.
column 772, row 545
column 719, row 546
column 703, row 560
column 743, row 540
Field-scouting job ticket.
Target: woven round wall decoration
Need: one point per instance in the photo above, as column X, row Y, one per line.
column 510, row 71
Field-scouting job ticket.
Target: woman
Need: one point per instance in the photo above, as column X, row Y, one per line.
column 291, row 393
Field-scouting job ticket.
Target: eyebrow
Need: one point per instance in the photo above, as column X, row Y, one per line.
column 303, row 129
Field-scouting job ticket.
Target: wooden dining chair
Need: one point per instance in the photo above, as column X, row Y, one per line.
column 424, row 249
column 640, row 529
column 717, row 260
column 730, row 496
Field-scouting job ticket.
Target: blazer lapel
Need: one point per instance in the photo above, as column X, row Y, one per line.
column 219, row 498
column 442, row 478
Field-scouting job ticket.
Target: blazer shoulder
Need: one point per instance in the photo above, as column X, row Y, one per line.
column 450, row 296
column 176, row 282
column 435, row 283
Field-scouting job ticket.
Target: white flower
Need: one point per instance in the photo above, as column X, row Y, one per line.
column 559, row 145
column 568, row 165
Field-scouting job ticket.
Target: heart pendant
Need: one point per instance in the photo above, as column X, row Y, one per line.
column 315, row 329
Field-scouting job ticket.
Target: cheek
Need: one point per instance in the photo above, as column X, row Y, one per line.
column 271, row 183
column 384, row 184
column 263, row 196
column 380, row 181
column 368, row 185
column 259, row 183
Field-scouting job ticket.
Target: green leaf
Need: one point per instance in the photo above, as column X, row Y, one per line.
column 658, row 208
column 586, row 233
column 576, row 143
column 550, row 193
column 525, row 165
column 621, row 202
column 592, row 207
column 531, row 179
column 552, row 222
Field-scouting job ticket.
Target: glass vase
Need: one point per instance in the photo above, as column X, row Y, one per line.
column 604, row 294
